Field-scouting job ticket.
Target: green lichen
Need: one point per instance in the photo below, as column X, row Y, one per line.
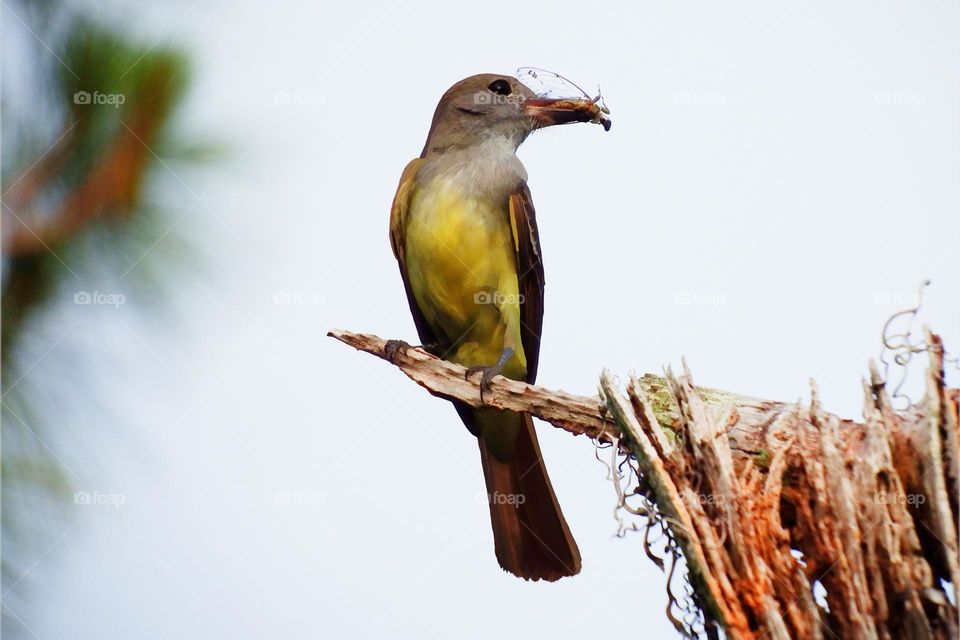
column 762, row 459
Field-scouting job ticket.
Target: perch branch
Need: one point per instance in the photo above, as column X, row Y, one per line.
column 766, row 499
column 577, row 414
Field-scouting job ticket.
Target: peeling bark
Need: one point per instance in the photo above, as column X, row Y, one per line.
column 766, row 499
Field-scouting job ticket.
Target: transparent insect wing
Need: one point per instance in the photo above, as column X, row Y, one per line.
column 548, row 84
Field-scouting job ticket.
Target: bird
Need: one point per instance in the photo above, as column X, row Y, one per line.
column 464, row 233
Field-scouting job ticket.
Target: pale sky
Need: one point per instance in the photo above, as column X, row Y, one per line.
column 778, row 179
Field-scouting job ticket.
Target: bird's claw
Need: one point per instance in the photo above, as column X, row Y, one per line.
column 489, row 372
column 393, row 347
column 486, row 380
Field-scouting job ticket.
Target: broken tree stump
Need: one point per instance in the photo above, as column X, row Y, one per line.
column 767, row 499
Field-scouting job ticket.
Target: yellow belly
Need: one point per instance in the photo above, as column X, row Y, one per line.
column 462, row 272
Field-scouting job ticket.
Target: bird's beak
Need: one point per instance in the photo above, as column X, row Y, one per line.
column 550, row 111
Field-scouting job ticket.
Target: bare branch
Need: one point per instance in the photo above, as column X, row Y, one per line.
column 766, row 499
column 577, row 414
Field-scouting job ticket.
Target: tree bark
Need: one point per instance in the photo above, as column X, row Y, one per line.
column 767, row 499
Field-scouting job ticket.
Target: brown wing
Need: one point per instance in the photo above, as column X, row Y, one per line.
column 398, row 230
column 526, row 242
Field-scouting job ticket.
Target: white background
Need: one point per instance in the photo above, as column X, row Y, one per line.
column 791, row 171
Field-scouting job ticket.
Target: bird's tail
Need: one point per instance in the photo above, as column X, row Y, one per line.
column 530, row 535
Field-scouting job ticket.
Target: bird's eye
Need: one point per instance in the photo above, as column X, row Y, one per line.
column 501, row 87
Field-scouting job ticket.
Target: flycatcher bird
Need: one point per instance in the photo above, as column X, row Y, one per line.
column 463, row 230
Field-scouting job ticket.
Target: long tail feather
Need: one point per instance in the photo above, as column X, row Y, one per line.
column 530, row 535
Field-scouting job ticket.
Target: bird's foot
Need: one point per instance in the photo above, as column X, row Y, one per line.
column 393, row 347
column 489, row 372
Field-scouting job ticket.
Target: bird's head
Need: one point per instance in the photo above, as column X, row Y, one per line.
column 490, row 105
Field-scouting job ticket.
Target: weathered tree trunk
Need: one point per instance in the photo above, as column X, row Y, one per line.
column 766, row 499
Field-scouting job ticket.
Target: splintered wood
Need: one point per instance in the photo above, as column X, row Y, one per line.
column 767, row 500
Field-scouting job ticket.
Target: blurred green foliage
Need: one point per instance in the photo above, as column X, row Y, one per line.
column 86, row 145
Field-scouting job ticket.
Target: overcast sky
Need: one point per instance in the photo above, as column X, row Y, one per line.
column 777, row 182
